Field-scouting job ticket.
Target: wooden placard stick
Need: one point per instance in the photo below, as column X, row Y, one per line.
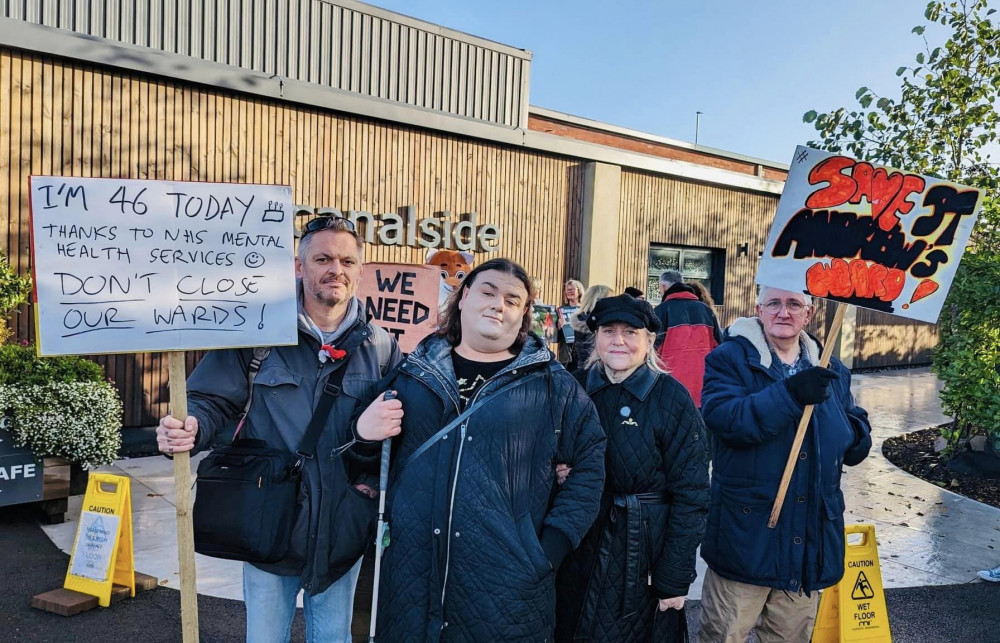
column 182, row 502
column 800, row 434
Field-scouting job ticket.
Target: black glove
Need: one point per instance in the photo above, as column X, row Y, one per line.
column 811, row 386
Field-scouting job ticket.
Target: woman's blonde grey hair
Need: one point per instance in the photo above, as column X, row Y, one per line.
column 652, row 360
column 590, row 298
column 580, row 290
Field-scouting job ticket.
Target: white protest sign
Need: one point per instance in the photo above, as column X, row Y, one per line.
column 124, row 266
column 876, row 237
column 95, row 543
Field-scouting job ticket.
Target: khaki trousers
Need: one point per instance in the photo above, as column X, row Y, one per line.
column 729, row 610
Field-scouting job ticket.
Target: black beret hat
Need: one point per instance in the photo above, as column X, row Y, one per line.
column 626, row 309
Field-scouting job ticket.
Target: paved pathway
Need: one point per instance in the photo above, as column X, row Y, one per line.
column 926, row 535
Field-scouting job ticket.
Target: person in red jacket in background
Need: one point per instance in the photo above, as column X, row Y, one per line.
column 689, row 332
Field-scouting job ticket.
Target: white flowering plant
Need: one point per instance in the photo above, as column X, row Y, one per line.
column 79, row 421
column 59, row 406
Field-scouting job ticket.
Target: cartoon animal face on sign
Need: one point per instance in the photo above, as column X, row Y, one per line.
column 454, row 265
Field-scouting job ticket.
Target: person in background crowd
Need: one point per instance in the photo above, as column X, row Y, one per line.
column 584, row 338
column 479, row 525
column 634, row 292
column 544, row 316
column 629, row 578
column 536, row 291
column 757, row 385
column 705, row 297
column 701, row 292
column 689, row 331
column 328, row 269
column 572, row 294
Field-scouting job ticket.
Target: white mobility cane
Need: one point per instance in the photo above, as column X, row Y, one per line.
column 381, row 533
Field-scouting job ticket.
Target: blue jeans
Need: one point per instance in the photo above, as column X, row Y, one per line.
column 270, row 603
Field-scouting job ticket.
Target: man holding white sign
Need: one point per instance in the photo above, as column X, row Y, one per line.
column 757, row 384
column 333, row 513
column 851, row 232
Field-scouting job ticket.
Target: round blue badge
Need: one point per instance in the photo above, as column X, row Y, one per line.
column 626, row 411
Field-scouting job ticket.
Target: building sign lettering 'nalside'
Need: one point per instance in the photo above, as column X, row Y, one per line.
column 392, row 229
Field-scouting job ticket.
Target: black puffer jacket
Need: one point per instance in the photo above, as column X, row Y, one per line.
column 642, row 546
column 477, row 520
column 582, row 348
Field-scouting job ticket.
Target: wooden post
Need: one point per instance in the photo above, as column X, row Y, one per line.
column 800, row 434
column 182, row 493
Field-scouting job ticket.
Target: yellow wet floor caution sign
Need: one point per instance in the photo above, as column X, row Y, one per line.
column 854, row 609
column 102, row 549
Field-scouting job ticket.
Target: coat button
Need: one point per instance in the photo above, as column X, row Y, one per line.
column 802, row 456
column 746, row 510
column 457, row 534
column 470, row 438
column 801, row 499
column 445, row 437
column 437, row 532
column 797, row 540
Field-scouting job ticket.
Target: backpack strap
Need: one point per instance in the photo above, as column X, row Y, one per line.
column 331, row 391
column 260, row 354
column 383, row 346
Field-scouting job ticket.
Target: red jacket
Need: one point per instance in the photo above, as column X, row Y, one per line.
column 689, row 332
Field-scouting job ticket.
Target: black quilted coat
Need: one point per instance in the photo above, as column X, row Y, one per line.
column 652, row 517
column 468, row 517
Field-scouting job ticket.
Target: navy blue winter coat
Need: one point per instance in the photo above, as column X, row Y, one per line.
column 753, row 416
column 468, row 518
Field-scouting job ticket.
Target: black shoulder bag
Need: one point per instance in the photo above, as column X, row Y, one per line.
column 244, row 508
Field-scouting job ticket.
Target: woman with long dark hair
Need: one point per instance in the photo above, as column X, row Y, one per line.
column 478, row 523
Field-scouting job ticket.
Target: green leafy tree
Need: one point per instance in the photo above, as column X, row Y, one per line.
column 943, row 124
column 13, row 292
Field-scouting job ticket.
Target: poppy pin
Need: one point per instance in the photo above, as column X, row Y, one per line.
column 329, row 352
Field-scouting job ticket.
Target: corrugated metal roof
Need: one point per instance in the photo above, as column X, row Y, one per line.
column 344, row 45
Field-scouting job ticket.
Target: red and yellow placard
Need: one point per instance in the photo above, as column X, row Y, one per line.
column 866, row 235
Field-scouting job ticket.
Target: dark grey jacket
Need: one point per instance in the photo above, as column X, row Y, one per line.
column 285, row 391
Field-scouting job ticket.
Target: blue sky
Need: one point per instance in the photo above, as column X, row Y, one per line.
column 752, row 68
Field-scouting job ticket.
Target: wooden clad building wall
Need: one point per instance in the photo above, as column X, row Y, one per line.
column 66, row 119
column 884, row 340
column 657, row 209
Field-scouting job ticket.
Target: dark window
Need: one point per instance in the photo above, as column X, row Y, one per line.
column 704, row 265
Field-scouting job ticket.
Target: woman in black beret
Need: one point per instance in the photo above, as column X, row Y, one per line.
column 628, row 579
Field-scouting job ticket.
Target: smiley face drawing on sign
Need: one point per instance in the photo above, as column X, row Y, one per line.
column 254, row 260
